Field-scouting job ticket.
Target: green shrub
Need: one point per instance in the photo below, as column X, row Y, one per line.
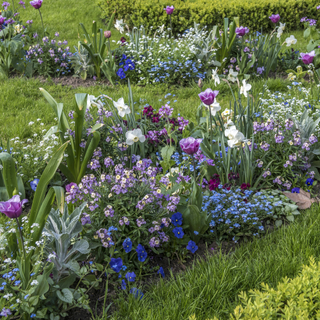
column 253, row 14
column 297, row 298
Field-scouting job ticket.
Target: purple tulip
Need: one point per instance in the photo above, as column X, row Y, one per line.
column 2, row 20
column 36, row 3
column 307, row 58
column 190, row 145
column 169, row 10
column 13, row 207
column 208, row 96
column 275, row 18
column 241, row 31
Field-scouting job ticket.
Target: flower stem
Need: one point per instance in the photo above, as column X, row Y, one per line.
column 171, row 26
column 13, row 6
column 21, row 237
column 194, row 168
column 42, row 23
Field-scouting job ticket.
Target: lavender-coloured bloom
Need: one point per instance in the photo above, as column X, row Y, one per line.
column 208, row 96
column 2, row 20
column 30, row 22
column 260, row 70
column 131, row 276
column 36, row 3
column 318, row 7
column 241, row 31
column 35, row 35
column 190, row 145
column 22, row 4
column 275, row 18
column 34, row 184
column 13, row 207
column 5, row 312
column 307, row 58
column 5, row 5
column 169, row 10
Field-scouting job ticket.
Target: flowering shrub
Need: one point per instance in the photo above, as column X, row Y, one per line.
column 51, row 57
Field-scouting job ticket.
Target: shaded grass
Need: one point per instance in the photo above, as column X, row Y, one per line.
column 211, row 287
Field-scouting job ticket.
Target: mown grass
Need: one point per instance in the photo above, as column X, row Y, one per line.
column 210, row 288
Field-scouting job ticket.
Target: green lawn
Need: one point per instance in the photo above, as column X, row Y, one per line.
column 210, row 288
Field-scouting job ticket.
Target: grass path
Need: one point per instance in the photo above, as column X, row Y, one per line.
column 211, row 287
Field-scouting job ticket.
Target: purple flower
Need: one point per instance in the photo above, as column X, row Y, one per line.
column 36, row 3
column 260, row 70
column 169, row 10
column 295, row 190
column 275, row 18
column 307, row 58
column 13, row 207
column 309, row 182
column 116, row 264
column 2, row 20
column 176, row 219
column 192, row 246
column 34, row 184
column 208, row 96
column 70, row 186
column 178, row 232
column 131, row 276
column 22, row 4
column 35, row 35
column 190, row 145
column 5, row 5
column 57, row 34
column 161, row 271
column 318, row 7
column 241, row 31
column 107, row 34
column 29, row 22
column 5, row 312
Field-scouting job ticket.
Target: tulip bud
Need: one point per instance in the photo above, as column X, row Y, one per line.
column 107, row 34
column 200, row 83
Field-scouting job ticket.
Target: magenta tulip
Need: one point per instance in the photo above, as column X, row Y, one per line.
column 241, row 31
column 275, row 18
column 307, row 58
column 169, row 10
column 190, row 145
column 2, row 20
column 36, row 3
column 107, row 34
column 208, row 96
column 13, row 207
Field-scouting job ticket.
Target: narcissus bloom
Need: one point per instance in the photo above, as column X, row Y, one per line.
column 133, row 136
column 245, row 88
column 122, row 108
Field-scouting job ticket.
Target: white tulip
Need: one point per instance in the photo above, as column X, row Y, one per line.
column 119, row 25
column 234, row 135
column 122, row 108
column 291, row 40
column 215, row 77
column 245, row 88
column 232, row 76
column 134, row 136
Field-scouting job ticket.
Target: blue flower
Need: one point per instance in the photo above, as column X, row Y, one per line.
column 26, row 296
column 161, row 271
column 178, row 232
column 127, row 245
column 121, row 74
column 123, row 284
column 137, row 293
column 34, row 184
column 192, row 246
column 116, row 264
column 33, row 315
column 131, row 276
column 142, row 254
column 309, row 182
column 176, row 219
column 295, row 190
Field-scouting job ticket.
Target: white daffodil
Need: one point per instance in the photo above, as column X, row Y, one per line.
column 122, row 108
column 215, row 107
column 215, row 77
column 232, row 76
column 280, row 29
column 119, row 25
column 245, row 88
column 291, row 40
column 234, row 135
column 228, row 124
column 91, row 100
column 134, row 136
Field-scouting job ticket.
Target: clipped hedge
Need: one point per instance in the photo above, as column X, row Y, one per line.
column 253, row 13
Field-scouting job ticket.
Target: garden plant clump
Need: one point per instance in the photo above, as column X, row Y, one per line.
column 120, row 189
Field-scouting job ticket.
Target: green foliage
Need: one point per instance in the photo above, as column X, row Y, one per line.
column 292, row 298
column 254, row 14
column 78, row 158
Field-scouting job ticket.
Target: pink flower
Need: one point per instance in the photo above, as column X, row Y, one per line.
column 13, row 207
column 307, row 58
column 36, row 3
column 275, row 18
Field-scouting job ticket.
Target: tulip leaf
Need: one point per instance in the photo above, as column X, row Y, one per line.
column 9, row 174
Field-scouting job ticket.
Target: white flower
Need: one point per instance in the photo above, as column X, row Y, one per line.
column 245, row 88
column 119, row 25
column 31, row 123
column 34, row 283
column 134, row 136
column 232, row 76
column 228, row 124
column 215, row 76
column 280, row 29
column 291, row 40
column 235, row 137
column 215, row 107
column 122, row 108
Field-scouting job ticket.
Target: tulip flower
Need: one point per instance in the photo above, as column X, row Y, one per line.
column 190, row 145
column 241, row 31
column 13, row 207
column 36, row 3
column 307, row 58
column 107, row 34
column 169, row 10
column 208, row 96
column 2, row 20
column 275, row 18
